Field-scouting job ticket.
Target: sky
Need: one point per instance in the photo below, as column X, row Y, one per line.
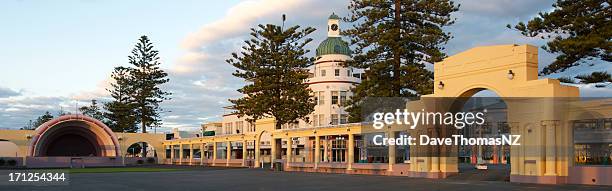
column 57, row 55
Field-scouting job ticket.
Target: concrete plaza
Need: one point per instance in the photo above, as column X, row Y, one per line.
column 258, row 179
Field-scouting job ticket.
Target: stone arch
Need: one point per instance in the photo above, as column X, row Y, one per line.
column 511, row 71
column 57, row 137
column 149, row 146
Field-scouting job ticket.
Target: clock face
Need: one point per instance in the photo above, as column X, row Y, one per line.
column 334, row 27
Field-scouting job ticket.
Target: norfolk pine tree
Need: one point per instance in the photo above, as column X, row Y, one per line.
column 576, row 30
column 120, row 111
column 146, row 78
column 274, row 65
column 394, row 40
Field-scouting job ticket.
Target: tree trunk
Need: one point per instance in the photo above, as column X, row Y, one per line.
column 396, row 86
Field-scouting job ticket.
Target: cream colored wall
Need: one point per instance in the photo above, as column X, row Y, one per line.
column 20, row 138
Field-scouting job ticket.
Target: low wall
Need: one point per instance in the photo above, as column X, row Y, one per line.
column 78, row 162
column 597, row 175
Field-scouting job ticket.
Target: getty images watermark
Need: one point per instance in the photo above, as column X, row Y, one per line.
column 459, row 120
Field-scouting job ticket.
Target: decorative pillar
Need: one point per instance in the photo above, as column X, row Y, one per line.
column 228, row 153
column 317, row 151
column 391, row 134
column 244, row 152
column 289, row 150
column 257, row 157
column 325, row 151
column 190, row 153
column 273, row 151
column 214, row 162
column 551, row 147
column 181, row 154
column 351, row 151
column 171, row 154
column 202, row 156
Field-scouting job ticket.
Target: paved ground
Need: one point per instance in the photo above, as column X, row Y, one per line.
column 257, row 179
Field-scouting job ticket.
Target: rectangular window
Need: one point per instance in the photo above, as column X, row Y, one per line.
column 322, row 73
column 337, row 72
column 228, row 128
column 239, row 127
column 343, row 98
column 221, row 150
column 315, row 120
column 334, row 119
column 343, row 119
column 321, row 119
column 334, row 97
column 349, row 73
column 321, row 98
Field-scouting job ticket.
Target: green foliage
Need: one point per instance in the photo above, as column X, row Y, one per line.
column 134, row 149
column 120, row 111
column 93, row 111
column 146, row 79
column 273, row 63
column 566, row 80
column 576, row 29
column 595, row 77
column 394, row 41
column 42, row 119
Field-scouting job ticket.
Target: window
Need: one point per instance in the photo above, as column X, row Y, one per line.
column 250, row 127
column 334, row 119
column 322, row 73
column 343, row 98
column 338, row 150
column 321, row 98
column 221, row 150
column 315, row 120
column 239, row 126
column 590, row 147
column 334, row 97
column 348, row 73
column 321, row 119
column 343, row 119
column 228, row 128
column 337, row 72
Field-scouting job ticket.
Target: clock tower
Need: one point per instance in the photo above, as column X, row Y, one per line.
column 333, row 27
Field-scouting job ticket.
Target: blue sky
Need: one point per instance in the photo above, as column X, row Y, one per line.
column 55, row 52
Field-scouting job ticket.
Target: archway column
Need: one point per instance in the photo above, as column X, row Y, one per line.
column 257, row 154
column 202, row 154
column 317, row 151
column 228, row 153
column 351, row 151
column 190, row 153
column 289, row 151
column 244, row 152
column 214, row 162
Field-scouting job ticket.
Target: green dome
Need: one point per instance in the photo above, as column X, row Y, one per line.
column 334, row 16
column 333, row 45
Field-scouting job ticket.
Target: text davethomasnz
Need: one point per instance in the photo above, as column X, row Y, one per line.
column 380, row 140
column 459, row 120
